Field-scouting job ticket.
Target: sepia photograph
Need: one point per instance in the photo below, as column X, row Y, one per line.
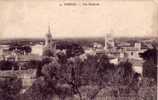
column 78, row 49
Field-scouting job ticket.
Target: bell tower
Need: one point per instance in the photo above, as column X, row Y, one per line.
column 48, row 39
column 49, row 44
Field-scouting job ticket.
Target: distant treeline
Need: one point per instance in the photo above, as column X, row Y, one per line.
column 82, row 41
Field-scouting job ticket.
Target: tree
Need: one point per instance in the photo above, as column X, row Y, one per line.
column 124, row 73
column 60, row 76
column 150, row 55
column 51, row 70
column 10, row 88
column 150, row 64
column 8, row 65
column 27, row 49
column 72, row 49
column 105, row 69
column 62, row 57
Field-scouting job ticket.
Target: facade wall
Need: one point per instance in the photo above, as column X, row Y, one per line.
column 37, row 49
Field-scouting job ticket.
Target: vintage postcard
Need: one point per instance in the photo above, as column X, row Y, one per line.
column 78, row 49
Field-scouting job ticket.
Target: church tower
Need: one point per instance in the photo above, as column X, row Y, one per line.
column 48, row 39
column 49, row 44
column 109, row 41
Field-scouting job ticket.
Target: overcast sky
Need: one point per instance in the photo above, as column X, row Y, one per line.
column 30, row 19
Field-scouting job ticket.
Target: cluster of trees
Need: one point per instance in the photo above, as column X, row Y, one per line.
column 8, row 65
column 10, row 88
column 72, row 49
column 56, row 79
column 65, row 80
column 150, row 65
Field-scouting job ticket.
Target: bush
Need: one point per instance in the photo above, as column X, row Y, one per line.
column 10, row 88
column 8, row 65
column 150, row 64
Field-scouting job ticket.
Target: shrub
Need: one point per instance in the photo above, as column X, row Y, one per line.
column 10, row 88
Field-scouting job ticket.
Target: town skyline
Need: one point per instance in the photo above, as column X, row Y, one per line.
column 78, row 49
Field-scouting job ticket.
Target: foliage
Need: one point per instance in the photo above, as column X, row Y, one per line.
column 72, row 49
column 20, row 48
column 51, row 69
column 150, row 54
column 10, row 88
column 7, row 65
column 62, row 57
column 88, row 80
column 150, row 64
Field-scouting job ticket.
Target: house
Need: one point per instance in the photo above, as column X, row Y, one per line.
column 130, row 51
column 37, row 49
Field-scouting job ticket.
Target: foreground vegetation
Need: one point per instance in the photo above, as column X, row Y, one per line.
column 94, row 78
